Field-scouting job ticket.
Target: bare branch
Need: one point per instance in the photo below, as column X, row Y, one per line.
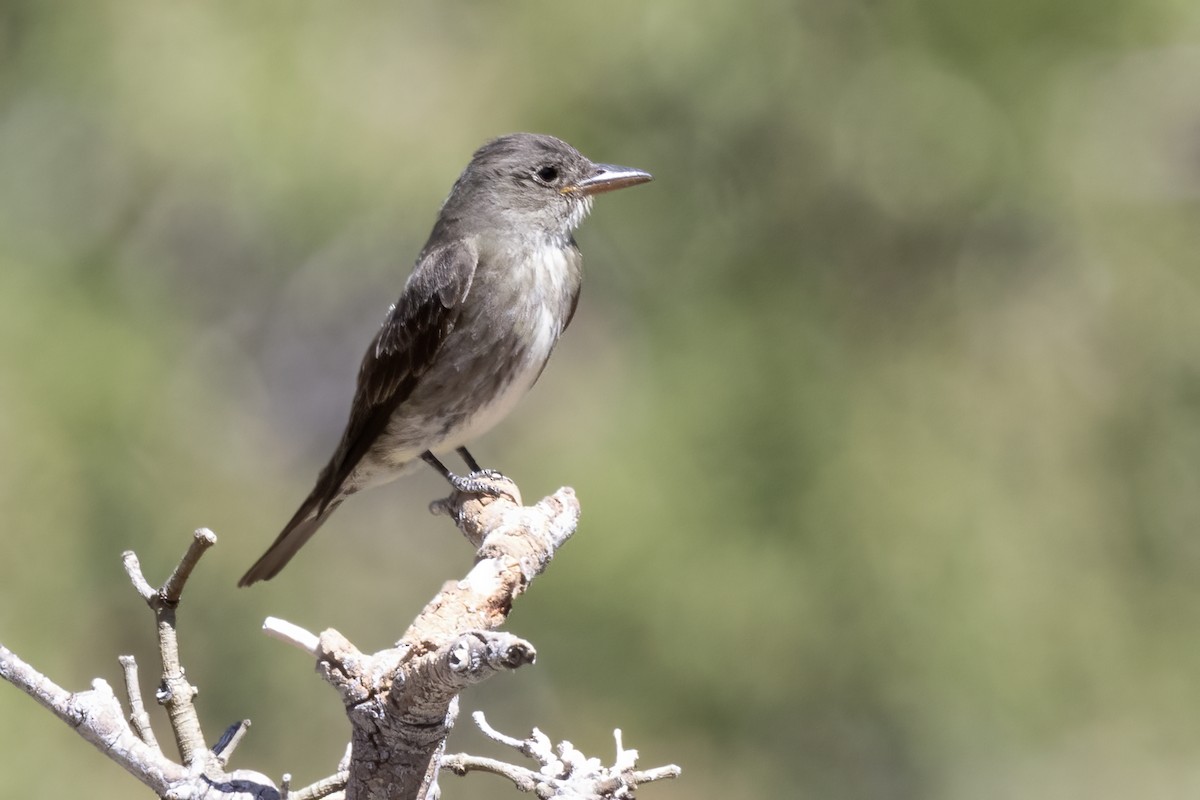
column 96, row 716
column 657, row 773
column 402, row 702
column 436, row 679
column 175, row 694
column 565, row 772
column 229, row 741
column 516, row 544
column 523, row 778
column 294, row 635
column 399, row 700
column 134, row 570
column 322, row 788
column 536, row 742
column 137, row 710
column 172, row 590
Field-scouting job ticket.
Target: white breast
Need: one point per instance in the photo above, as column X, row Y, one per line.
column 553, row 270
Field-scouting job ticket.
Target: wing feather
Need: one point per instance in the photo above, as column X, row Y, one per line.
column 406, row 345
column 404, row 348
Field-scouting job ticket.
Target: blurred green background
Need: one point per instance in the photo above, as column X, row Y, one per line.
column 883, row 401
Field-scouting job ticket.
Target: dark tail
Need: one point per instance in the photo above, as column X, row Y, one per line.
column 310, row 516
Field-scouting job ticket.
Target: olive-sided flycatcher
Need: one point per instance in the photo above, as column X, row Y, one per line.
column 492, row 290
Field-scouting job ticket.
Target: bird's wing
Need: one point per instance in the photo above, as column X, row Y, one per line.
column 404, row 348
column 571, row 309
column 418, row 323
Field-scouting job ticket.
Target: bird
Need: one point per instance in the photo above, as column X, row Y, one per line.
column 491, row 292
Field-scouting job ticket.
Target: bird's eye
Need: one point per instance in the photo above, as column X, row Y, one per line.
column 547, row 174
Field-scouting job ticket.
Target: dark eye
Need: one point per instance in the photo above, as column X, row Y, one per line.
column 547, row 174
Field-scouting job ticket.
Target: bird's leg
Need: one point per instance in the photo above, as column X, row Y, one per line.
column 475, row 483
column 469, row 459
column 476, row 470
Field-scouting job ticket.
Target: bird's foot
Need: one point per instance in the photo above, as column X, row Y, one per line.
column 482, row 481
column 488, row 474
column 470, row 490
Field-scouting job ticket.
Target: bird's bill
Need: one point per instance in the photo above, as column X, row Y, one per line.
column 608, row 178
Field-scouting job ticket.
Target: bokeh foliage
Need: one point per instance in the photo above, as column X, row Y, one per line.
column 883, row 401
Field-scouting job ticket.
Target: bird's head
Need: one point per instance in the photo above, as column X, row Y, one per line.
column 536, row 182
